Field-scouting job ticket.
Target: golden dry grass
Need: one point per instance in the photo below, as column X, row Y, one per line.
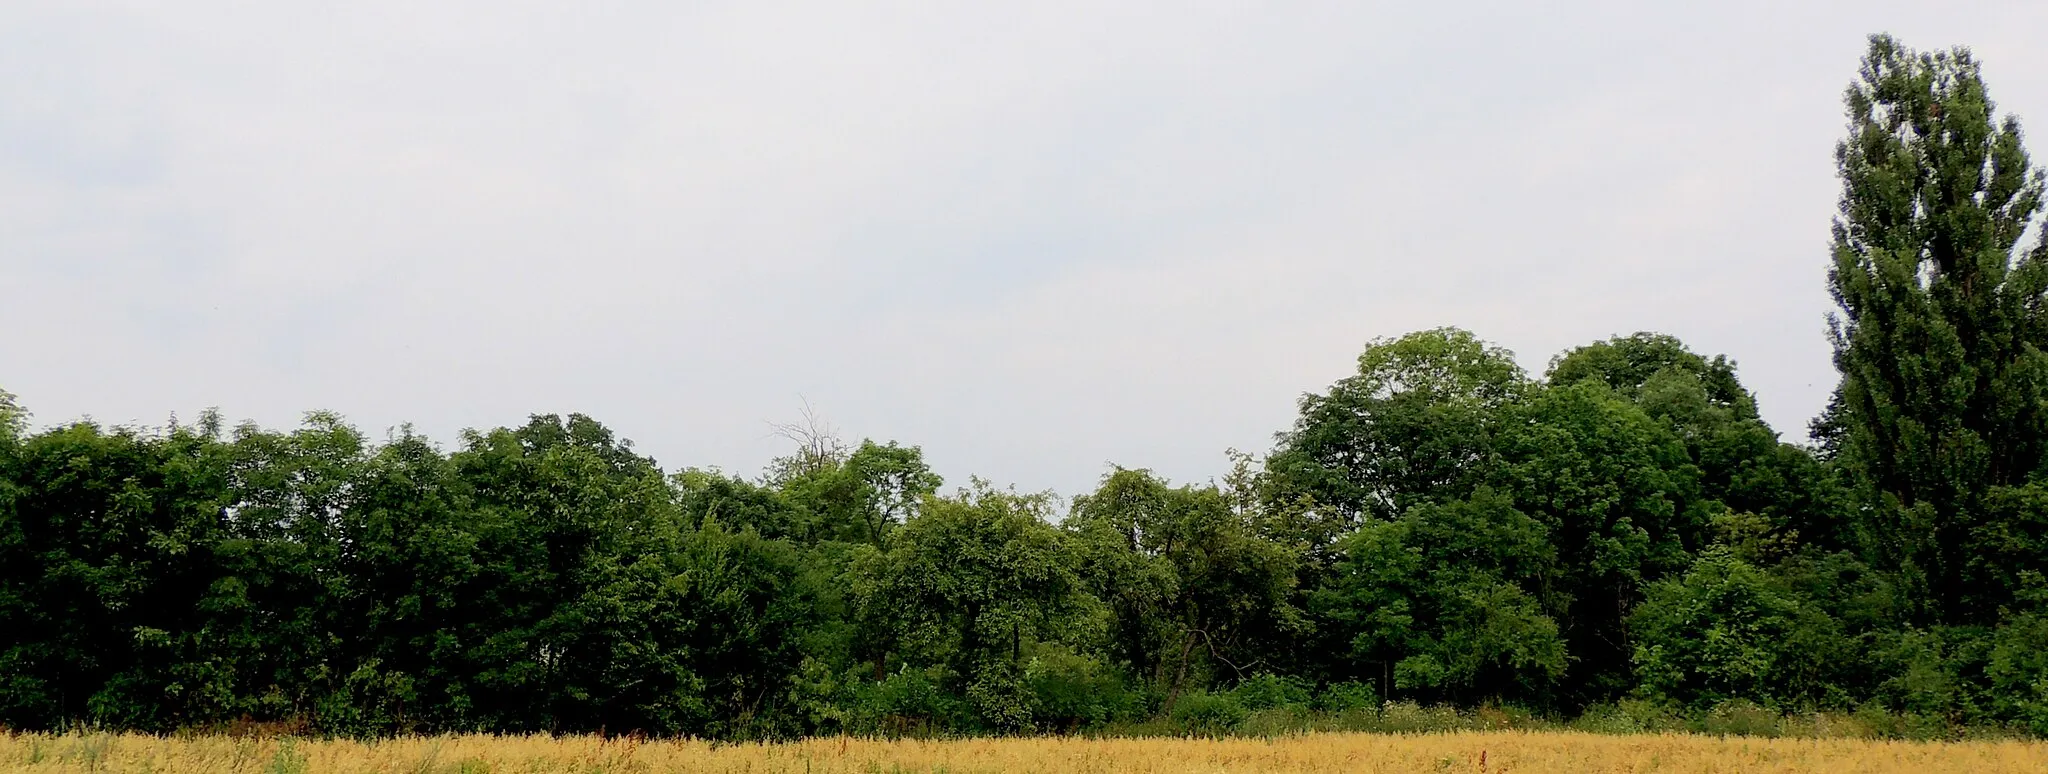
column 1488, row 751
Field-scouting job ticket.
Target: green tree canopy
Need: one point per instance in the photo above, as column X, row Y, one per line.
column 1941, row 325
column 1189, row 583
column 1416, row 424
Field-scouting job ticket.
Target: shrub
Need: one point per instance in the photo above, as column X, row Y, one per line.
column 1001, row 698
column 1740, row 717
column 1278, row 721
column 912, row 701
column 1825, row 725
column 1630, row 716
column 1267, row 691
column 1407, row 716
column 1504, row 717
column 1209, row 713
column 2018, row 672
column 1716, row 633
column 1347, row 696
column 1070, row 691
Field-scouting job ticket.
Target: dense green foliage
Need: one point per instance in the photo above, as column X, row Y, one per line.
column 1439, row 528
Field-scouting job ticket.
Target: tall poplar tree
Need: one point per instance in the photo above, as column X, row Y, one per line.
column 1942, row 321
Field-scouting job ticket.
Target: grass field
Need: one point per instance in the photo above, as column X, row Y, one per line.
column 1490, row 752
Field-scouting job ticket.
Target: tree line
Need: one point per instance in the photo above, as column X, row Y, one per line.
column 1439, row 527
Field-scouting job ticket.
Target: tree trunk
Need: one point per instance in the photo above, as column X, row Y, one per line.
column 1173, row 694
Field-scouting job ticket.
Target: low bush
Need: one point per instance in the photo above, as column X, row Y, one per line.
column 1201, row 712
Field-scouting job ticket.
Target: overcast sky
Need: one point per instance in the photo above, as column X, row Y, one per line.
column 1034, row 240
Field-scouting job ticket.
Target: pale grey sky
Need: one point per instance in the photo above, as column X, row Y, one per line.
column 1034, row 240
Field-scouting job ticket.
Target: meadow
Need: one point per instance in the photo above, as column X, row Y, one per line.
column 1490, row 752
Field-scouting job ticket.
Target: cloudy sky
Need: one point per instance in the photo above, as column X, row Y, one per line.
column 1034, row 240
